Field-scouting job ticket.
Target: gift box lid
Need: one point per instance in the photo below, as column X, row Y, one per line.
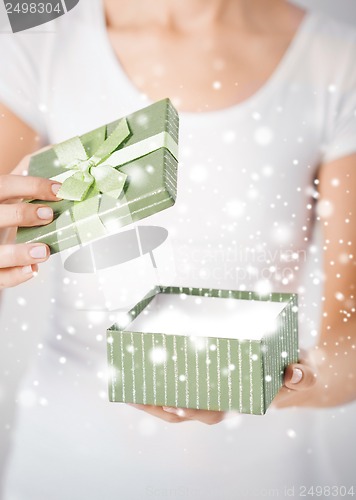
column 112, row 176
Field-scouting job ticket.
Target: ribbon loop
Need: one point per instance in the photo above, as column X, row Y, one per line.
column 76, row 187
column 86, row 172
column 109, row 180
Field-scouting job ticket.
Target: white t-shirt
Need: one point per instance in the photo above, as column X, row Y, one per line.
column 243, row 220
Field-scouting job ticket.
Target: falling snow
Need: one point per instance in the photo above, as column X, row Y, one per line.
column 263, row 136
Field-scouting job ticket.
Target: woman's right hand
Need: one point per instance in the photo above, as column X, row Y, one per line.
column 18, row 262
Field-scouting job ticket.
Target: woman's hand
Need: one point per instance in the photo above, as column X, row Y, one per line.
column 19, row 262
column 176, row 415
column 299, row 384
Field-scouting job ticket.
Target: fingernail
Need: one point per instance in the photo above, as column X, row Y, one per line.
column 27, row 270
column 176, row 411
column 45, row 213
column 38, row 252
column 55, row 188
column 297, row 376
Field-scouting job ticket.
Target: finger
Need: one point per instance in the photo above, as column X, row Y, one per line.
column 24, row 215
column 20, row 186
column 16, row 275
column 22, row 255
column 208, row 417
column 158, row 412
column 299, row 377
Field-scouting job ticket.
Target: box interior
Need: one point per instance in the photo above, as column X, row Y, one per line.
column 201, row 316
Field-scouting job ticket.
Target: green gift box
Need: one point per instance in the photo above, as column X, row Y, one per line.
column 204, row 349
column 112, row 176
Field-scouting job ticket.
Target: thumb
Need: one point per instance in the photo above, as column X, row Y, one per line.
column 299, row 377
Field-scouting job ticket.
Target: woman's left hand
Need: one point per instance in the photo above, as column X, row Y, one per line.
column 299, row 382
column 176, row 415
column 299, row 379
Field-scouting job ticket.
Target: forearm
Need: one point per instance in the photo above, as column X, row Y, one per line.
column 334, row 358
column 335, row 353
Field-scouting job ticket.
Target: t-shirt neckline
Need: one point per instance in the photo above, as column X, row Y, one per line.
column 281, row 70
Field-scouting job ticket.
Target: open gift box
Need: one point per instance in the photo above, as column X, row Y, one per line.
column 203, row 349
column 112, row 176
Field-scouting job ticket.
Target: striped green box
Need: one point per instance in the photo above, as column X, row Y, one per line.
column 225, row 371
column 151, row 180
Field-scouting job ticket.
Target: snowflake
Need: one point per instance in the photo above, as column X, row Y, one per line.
column 21, row 301
column 263, row 136
column 198, row 173
column 234, row 208
column 267, row 170
column 291, row 433
column 335, row 182
column 229, row 136
column 324, row 208
column 158, row 355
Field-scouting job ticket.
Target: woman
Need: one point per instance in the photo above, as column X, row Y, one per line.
column 267, row 96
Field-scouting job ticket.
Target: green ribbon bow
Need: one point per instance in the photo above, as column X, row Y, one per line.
column 93, row 183
column 96, row 174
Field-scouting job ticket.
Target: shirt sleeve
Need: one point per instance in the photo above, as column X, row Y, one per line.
column 20, row 78
column 341, row 140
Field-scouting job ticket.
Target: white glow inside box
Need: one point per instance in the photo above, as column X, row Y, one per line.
column 175, row 314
